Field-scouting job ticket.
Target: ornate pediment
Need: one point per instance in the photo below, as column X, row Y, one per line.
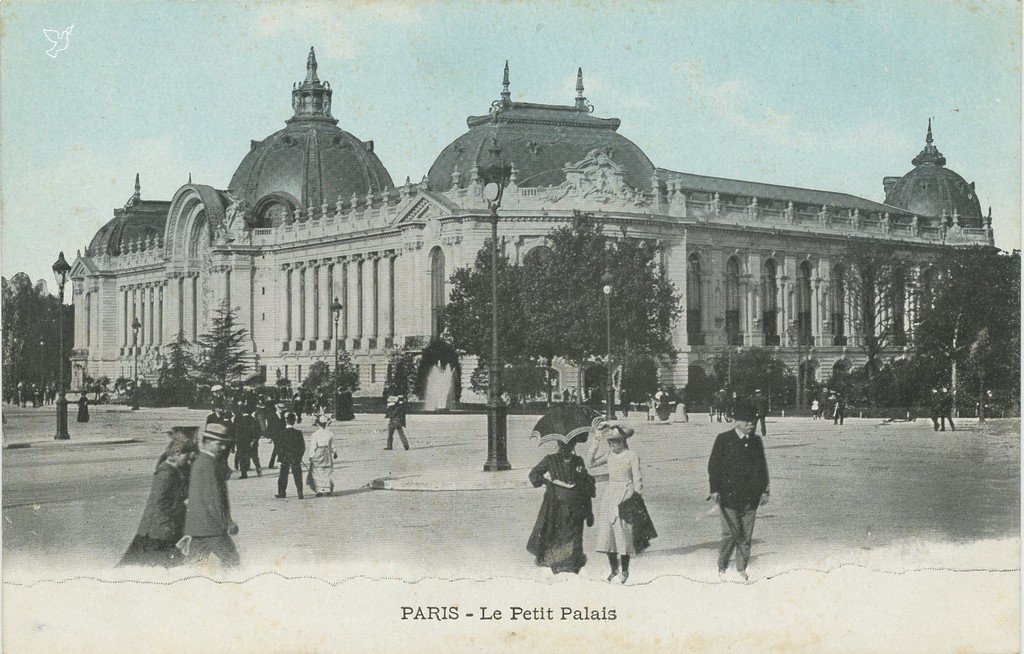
column 596, row 178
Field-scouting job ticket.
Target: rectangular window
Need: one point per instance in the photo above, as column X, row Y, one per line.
column 373, row 373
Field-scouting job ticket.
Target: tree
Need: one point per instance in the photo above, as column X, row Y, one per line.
column 321, row 384
column 984, row 358
column 402, row 373
column 754, row 368
column 876, row 286
column 972, row 289
column 31, row 340
column 222, row 357
column 522, row 379
column 177, row 376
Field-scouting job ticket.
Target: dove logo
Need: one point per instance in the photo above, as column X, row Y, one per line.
column 58, row 39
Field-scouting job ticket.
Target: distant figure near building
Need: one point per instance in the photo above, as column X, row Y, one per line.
column 208, row 523
column 760, row 410
column 247, row 442
column 275, row 428
column 738, row 481
column 839, row 409
column 83, row 408
column 946, row 409
column 395, row 414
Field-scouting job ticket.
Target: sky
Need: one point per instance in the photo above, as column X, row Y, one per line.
column 828, row 95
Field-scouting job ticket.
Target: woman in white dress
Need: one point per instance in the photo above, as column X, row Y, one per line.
column 615, row 535
column 321, row 460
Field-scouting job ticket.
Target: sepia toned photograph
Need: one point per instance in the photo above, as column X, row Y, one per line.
column 677, row 326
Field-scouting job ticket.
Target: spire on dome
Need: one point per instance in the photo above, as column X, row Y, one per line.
column 930, row 154
column 506, row 95
column 311, row 100
column 138, row 189
column 311, row 66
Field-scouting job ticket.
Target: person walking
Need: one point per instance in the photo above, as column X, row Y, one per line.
column 839, row 411
column 208, row 524
column 395, row 413
column 163, row 519
column 615, row 536
column 276, row 424
column 83, row 408
column 291, row 446
column 247, row 442
column 760, row 410
column 321, row 461
column 738, row 482
column 298, row 405
column 946, row 409
column 557, row 537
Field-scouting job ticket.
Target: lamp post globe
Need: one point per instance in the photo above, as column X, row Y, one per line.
column 336, row 309
column 136, row 326
column 61, row 270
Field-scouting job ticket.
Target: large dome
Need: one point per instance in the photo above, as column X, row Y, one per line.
column 309, row 162
column 539, row 140
column 931, row 190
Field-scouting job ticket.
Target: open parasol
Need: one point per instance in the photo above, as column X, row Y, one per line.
column 564, row 422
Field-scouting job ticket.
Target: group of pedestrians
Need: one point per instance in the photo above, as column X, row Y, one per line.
column 942, row 409
column 738, row 485
column 31, row 394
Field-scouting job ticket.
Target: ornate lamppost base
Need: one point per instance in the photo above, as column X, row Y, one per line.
column 497, row 442
column 62, row 420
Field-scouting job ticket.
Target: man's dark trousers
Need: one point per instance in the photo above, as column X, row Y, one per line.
column 282, row 477
column 737, row 532
column 840, row 414
column 764, row 430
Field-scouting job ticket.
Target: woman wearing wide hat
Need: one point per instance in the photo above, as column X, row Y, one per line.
column 83, row 408
column 557, row 538
column 163, row 519
column 615, row 533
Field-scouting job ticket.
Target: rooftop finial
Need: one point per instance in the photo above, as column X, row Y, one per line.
column 138, row 188
column 311, row 66
column 506, row 95
column 930, row 154
column 928, row 139
column 581, row 101
column 190, row 178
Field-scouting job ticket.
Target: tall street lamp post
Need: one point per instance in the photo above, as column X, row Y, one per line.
column 136, row 326
column 61, row 269
column 336, row 308
column 495, row 179
column 610, row 390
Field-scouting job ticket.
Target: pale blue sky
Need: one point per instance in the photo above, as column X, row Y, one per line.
column 814, row 94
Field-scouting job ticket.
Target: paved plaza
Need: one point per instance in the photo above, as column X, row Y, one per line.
column 840, row 495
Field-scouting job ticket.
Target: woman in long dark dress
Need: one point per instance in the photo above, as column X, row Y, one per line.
column 163, row 519
column 557, row 538
column 83, row 408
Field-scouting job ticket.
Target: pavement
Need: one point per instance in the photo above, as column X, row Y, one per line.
column 906, row 524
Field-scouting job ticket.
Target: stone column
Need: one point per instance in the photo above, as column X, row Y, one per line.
column 160, row 314
column 674, row 261
column 187, row 300
column 122, row 316
column 815, row 311
column 171, row 300
column 780, row 303
column 367, row 298
column 297, row 302
column 327, row 292
column 285, row 315
column 375, row 285
column 151, row 326
column 389, row 305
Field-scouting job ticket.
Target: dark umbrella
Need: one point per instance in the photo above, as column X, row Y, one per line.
column 565, row 422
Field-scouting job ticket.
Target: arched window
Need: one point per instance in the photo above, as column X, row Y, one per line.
column 838, row 305
column 770, row 302
column 437, row 295
column 694, row 285
column 803, row 304
column 734, row 335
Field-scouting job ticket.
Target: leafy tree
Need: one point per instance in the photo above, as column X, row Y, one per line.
column 985, row 358
column 753, row 368
column 321, row 386
column 522, row 379
column 402, row 373
column 877, row 281
column 223, row 358
column 177, row 381
column 31, row 340
column 972, row 289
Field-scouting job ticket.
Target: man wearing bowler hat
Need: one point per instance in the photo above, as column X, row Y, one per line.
column 208, row 523
column 738, row 478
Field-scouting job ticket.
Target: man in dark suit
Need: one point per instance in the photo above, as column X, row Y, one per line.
column 247, row 442
column 946, row 409
column 291, row 446
column 738, row 479
column 208, row 523
column 760, row 410
column 275, row 427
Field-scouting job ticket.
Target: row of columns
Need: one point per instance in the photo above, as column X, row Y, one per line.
column 363, row 283
column 143, row 302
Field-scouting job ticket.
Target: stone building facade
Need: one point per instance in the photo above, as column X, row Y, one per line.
column 311, row 214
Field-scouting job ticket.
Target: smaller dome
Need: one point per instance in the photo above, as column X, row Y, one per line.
column 140, row 221
column 933, row 191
